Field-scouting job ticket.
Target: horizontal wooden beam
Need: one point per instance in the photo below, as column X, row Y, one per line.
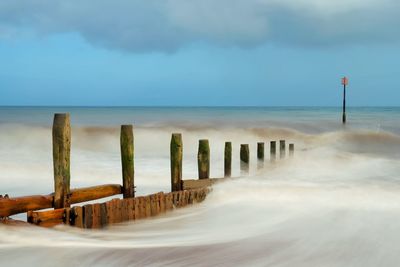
column 195, row 184
column 11, row 206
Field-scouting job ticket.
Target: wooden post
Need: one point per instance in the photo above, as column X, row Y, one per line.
column 273, row 151
column 228, row 159
column 260, row 155
column 244, row 158
column 127, row 158
column 291, row 150
column 61, row 159
column 176, row 150
column 282, row 149
column 203, row 159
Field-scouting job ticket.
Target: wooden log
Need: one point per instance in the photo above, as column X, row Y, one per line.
column 37, row 218
column 244, row 158
column 282, row 149
column 127, row 158
column 176, row 150
column 291, row 150
column 260, row 155
column 203, row 159
column 87, row 216
column 228, row 159
column 61, row 159
column 273, row 151
column 94, row 192
column 11, row 206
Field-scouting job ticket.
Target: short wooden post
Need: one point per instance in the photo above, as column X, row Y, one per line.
column 176, row 150
column 282, row 149
column 291, row 150
column 228, row 159
column 203, row 159
column 244, row 158
column 61, row 159
column 127, row 158
column 260, row 155
column 273, row 151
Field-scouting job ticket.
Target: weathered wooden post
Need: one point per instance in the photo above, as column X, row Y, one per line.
column 61, row 159
column 228, row 159
column 260, row 155
column 203, row 159
column 244, row 158
column 291, row 150
column 272, row 151
column 282, row 149
column 127, row 159
column 176, row 150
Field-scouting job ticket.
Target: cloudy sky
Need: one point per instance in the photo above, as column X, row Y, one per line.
column 199, row 52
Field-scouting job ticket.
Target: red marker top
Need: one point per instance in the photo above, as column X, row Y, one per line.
column 345, row 81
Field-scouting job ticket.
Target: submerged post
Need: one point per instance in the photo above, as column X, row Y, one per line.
column 282, row 149
column 291, row 150
column 203, row 159
column 61, row 159
column 260, row 154
column 273, row 151
column 244, row 158
column 345, row 82
column 127, row 159
column 228, row 159
column 176, row 150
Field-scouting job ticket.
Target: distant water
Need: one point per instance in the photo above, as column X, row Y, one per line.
column 337, row 203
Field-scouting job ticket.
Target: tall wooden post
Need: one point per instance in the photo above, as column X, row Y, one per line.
column 244, row 158
column 260, row 155
column 273, row 151
column 228, row 159
column 176, row 150
column 345, row 82
column 291, row 150
column 127, row 159
column 203, row 159
column 282, row 149
column 61, row 159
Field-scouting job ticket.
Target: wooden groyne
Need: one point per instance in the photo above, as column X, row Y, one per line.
column 131, row 207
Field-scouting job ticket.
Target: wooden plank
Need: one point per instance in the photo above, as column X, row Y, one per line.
column 96, row 216
column 169, row 205
column 103, row 215
column 161, row 199
column 124, row 210
column 87, row 212
column 137, row 208
column 147, row 206
column 131, row 209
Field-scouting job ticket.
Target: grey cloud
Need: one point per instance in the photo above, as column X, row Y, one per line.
column 167, row 25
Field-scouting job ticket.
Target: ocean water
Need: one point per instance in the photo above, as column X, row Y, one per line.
column 336, row 203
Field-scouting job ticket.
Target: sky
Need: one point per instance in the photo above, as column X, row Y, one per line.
column 199, row 52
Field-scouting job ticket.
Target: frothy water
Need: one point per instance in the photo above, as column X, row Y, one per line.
column 336, row 203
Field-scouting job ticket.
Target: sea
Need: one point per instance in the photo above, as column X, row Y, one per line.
column 336, row 202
